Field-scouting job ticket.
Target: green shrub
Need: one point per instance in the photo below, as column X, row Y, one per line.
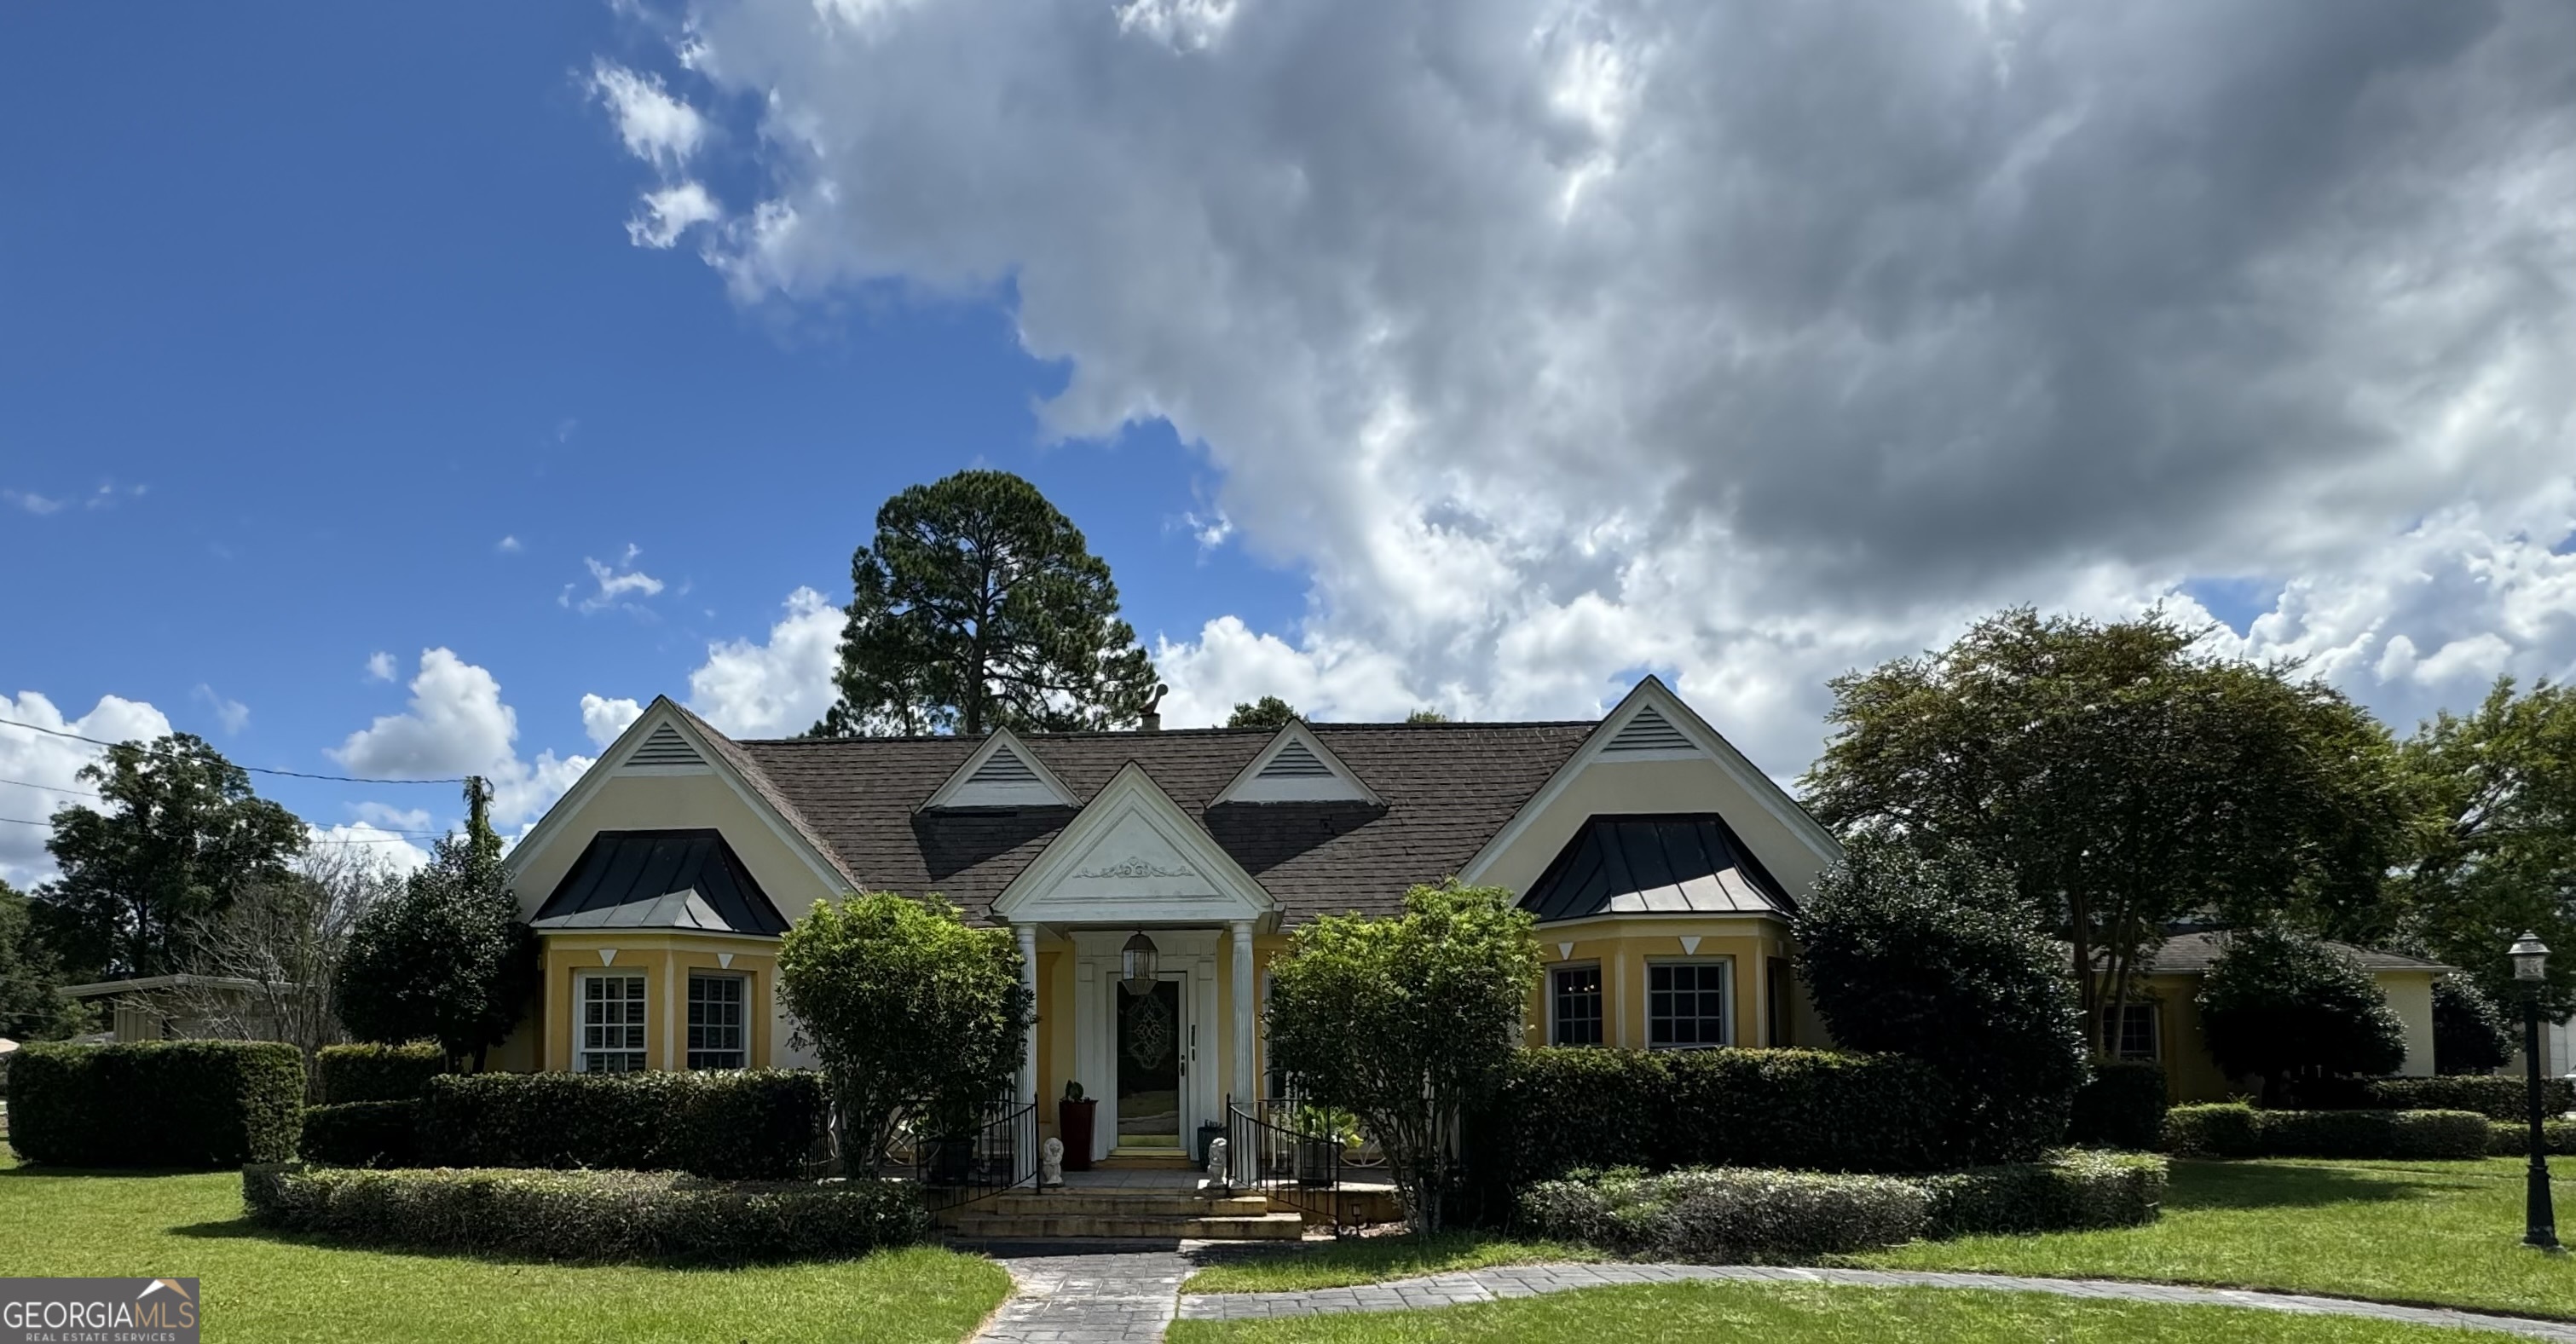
column 2072, row 1190
column 2493, row 1097
column 157, row 1103
column 2504, row 1139
column 350, row 1073
column 2123, row 1107
column 363, row 1134
column 2223, row 1129
column 2285, row 1006
column 593, row 1216
column 751, row 1125
column 1729, row 1216
column 2471, row 1032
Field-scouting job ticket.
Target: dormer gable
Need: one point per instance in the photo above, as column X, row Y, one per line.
column 1002, row 772
column 663, row 751
column 1296, row 767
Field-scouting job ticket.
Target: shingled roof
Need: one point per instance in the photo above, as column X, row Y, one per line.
column 1447, row 789
column 2192, row 954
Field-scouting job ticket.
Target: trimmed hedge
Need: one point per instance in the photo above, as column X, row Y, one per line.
column 2495, row 1097
column 1733, row 1215
column 363, row 1134
column 156, row 1103
column 349, row 1073
column 2122, row 1107
column 1578, row 1108
column 2072, row 1190
column 2557, row 1138
column 588, row 1216
column 2237, row 1130
column 735, row 1125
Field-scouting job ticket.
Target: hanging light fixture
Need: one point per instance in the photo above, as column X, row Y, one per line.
column 1136, row 964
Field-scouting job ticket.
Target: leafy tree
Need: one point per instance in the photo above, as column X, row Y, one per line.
column 1405, row 1022
column 1938, row 957
column 2471, row 1033
column 447, row 960
column 1269, row 712
column 904, row 1003
column 979, row 607
column 2495, row 846
column 2285, row 1007
column 1426, row 714
column 29, row 1008
column 280, row 947
column 2124, row 781
column 181, row 837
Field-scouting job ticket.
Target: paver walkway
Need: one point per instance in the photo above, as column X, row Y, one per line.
column 1132, row 1297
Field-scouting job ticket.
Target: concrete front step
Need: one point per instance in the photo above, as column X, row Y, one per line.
column 1126, row 1204
column 1007, row 1227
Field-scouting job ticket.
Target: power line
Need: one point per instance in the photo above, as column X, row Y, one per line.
column 254, row 769
column 53, row 788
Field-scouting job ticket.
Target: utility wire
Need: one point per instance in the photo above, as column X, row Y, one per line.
column 254, row 769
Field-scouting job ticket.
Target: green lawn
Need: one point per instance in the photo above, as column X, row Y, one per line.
column 1778, row 1314
column 259, row 1287
column 2426, row 1232
column 1375, row 1260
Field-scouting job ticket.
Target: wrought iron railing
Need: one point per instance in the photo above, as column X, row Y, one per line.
column 1000, row 1153
column 1269, row 1151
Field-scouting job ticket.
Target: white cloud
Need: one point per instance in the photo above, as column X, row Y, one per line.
column 507, row 546
column 668, row 212
column 1558, row 341
column 400, row 854
column 604, row 718
column 32, row 502
column 777, row 688
column 49, row 767
column 380, row 666
column 232, row 714
column 457, row 724
column 616, row 585
column 657, row 128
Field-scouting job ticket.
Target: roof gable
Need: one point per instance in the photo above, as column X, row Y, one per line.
column 1678, row 864
column 1001, row 772
column 1296, row 767
column 689, row 879
column 1133, row 856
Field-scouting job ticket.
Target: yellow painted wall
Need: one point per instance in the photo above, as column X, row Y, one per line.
column 1625, row 946
column 1615, row 787
column 2192, row 1075
column 665, row 960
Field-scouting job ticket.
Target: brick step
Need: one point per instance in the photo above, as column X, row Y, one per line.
column 1127, row 1204
column 1005, row 1227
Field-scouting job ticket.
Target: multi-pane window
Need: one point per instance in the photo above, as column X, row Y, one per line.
column 1576, row 995
column 612, row 1024
column 2137, row 1031
column 1685, row 1004
column 715, row 1021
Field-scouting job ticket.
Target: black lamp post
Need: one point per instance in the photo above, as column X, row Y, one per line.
column 2530, row 958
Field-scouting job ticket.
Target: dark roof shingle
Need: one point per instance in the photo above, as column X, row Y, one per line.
column 2192, row 953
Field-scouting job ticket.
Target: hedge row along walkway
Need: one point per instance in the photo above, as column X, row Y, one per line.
column 1132, row 1298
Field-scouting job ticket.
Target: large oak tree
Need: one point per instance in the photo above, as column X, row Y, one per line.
column 980, row 606
column 2125, row 780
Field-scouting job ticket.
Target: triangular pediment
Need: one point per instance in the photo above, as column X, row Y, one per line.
column 1133, row 856
column 1002, row 772
column 1296, row 767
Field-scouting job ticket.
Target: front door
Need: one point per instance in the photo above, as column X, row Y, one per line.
column 1152, row 1035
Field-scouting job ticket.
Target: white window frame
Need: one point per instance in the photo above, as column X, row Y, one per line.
column 581, row 1053
column 2155, row 1032
column 1603, row 1020
column 1726, row 1001
column 690, row 978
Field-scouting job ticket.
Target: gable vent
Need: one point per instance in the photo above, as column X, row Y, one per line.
column 1003, row 767
column 665, row 746
column 1649, row 731
column 1294, row 761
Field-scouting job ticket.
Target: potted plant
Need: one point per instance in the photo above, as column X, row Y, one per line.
column 1073, row 1124
column 1321, row 1132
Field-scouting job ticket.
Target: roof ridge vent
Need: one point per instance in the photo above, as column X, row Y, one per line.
column 665, row 747
column 1649, row 730
column 1294, row 761
column 1003, row 767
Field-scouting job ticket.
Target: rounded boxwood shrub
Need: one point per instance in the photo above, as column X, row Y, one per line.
column 347, row 1073
column 2285, row 1007
column 2504, row 1139
column 156, row 1103
column 2496, row 1098
column 2384, row 1134
column 2216, row 1129
column 2471, row 1032
column 2071, row 1191
column 751, row 1124
column 588, row 1216
column 2122, row 1107
column 1729, row 1215
column 362, row 1134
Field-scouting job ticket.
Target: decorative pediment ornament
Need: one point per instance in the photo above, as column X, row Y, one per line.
column 1132, row 869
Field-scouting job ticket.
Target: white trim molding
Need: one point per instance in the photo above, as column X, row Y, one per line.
column 1296, row 767
column 1134, row 857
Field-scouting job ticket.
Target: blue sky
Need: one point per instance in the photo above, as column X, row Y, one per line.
column 1472, row 353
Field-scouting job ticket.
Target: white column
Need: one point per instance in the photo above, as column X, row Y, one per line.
column 1029, row 981
column 1243, row 1089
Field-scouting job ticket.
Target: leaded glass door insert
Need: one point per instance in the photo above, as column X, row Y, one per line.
column 1151, row 1036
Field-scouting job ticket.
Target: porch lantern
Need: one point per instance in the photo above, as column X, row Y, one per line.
column 1136, row 964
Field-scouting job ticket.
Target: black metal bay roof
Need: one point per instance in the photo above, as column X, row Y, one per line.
column 1679, row 864
column 660, row 880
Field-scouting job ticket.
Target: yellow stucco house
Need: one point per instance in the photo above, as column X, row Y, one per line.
column 1662, row 865
column 2165, row 1026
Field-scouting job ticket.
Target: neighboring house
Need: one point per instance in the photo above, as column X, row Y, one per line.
column 1661, row 863
column 176, row 1007
column 2166, row 1026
